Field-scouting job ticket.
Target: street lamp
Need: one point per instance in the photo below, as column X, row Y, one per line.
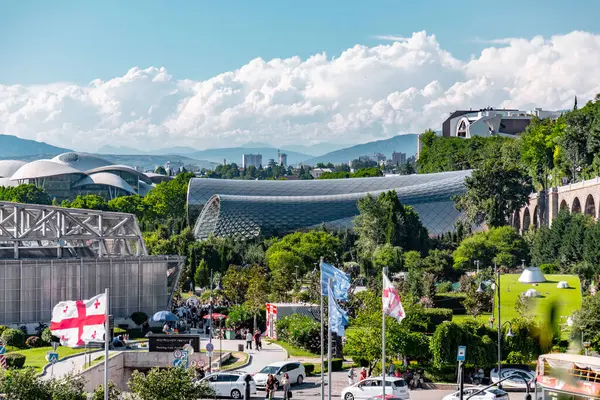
column 480, row 288
column 477, row 263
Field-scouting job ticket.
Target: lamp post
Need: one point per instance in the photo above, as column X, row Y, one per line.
column 509, row 334
column 477, row 264
column 210, row 308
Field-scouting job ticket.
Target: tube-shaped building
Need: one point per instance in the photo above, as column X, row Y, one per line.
column 246, row 209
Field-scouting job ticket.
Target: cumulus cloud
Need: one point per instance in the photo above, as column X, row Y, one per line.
column 364, row 93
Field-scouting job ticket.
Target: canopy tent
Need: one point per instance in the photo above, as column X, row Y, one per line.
column 562, row 285
column 532, row 293
column 532, row 275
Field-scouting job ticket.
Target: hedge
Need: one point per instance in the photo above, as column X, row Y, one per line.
column 139, row 317
column 14, row 337
column 453, row 301
column 435, row 316
column 15, row 360
column 309, row 368
column 34, row 341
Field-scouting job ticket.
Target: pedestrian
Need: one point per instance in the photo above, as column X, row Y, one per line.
column 391, row 370
column 257, row 340
column 166, row 328
column 285, row 381
column 270, row 387
column 363, row 374
column 248, row 340
column 351, row 376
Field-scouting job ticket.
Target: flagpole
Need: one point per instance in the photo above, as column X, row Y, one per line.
column 106, row 343
column 322, row 333
column 383, row 338
column 329, row 352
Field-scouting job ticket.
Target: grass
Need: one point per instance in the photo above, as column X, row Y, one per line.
column 294, row 351
column 36, row 358
column 236, row 360
column 568, row 300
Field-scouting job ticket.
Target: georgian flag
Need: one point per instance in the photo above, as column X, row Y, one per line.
column 392, row 305
column 76, row 323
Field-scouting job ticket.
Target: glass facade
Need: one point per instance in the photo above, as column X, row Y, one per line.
column 246, row 209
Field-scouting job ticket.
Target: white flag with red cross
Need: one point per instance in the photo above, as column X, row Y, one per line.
column 76, row 323
column 392, row 305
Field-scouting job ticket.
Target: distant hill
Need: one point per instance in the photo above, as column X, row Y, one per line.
column 401, row 143
column 316, row 150
column 15, row 147
column 122, row 150
column 150, row 161
column 234, row 154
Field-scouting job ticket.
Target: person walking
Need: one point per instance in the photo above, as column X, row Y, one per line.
column 248, row 340
column 257, row 340
column 285, row 381
column 351, row 376
column 270, row 387
column 363, row 374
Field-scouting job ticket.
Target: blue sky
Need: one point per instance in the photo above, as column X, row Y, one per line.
column 49, row 41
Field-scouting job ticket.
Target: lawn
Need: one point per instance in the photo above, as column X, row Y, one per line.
column 36, row 358
column 568, row 300
column 294, row 351
column 236, row 360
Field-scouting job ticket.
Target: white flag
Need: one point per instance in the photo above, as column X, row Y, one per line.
column 392, row 305
column 76, row 323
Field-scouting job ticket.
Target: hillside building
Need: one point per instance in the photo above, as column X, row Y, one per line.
column 251, row 159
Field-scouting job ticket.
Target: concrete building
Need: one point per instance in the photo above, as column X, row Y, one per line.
column 379, row 157
column 251, row 159
column 282, row 158
column 398, row 158
column 317, row 172
column 491, row 122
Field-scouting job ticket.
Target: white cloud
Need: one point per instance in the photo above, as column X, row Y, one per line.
column 365, row 93
column 391, row 38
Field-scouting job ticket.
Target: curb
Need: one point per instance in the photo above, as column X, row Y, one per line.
column 248, row 362
column 47, row 366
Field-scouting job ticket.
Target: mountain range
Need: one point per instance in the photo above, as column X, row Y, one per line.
column 12, row 147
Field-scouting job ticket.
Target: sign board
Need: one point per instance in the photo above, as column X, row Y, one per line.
column 210, row 347
column 209, row 354
column 52, row 357
column 182, row 358
column 170, row 343
column 462, row 353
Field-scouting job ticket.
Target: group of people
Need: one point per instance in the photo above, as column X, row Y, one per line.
column 256, row 338
column 271, row 386
column 414, row 380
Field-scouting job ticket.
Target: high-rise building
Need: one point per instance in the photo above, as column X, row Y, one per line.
column 379, row 157
column 282, row 158
column 251, row 159
column 398, row 158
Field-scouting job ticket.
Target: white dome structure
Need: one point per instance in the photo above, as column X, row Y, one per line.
column 9, row 167
column 106, row 179
column 532, row 293
column 563, row 285
column 81, row 161
column 43, row 169
column 532, row 275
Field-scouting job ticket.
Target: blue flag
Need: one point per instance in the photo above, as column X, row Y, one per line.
column 340, row 282
column 338, row 318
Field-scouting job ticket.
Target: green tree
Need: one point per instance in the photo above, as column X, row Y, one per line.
column 478, row 339
column 168, row 384
column 388, row 256
column 87, row 202
column 258, row 290
column 282, row 265
column 133, row 204
column 28, row 194
column 167, row 201
column 235, row 283
column 502, row 245
column 587, row 320
column 24, row 385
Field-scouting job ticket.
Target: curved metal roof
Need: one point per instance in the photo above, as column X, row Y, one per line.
column 81, row 161
column 43, row 169
column 6, row 182
column 107, row 179
column 9, row 167
column 248, row 214
column 158, row 178
column 120, row 168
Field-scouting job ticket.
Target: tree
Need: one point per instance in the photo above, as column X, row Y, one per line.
column 168, row 384
column 24, row 385
column 587, row 320
column 167, row 201
column 308, row 247
column 282, row 265
column 475, row 302
column 258, row 289
column 388, row 256
column 478, row 339
column 28, row 194
column 235, row 284
column 87, row 202
column 133, row 204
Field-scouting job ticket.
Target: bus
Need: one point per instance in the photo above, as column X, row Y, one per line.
column 567, row 377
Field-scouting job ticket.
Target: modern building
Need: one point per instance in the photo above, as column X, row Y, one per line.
column 70, row 174
column 246, row 209
column 398, row 158
column 379, row 157
column 251, row 159
column 317, row 172
column 491, row 122
column 51, row 254
column 282, row 158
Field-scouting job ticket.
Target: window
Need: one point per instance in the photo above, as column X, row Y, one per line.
column 226, row 378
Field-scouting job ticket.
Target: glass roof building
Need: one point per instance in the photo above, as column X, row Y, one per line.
column 246, row 209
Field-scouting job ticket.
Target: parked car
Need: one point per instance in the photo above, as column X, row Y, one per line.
column 295, row 371
column 231, row 384
column 372, row 387
column 487, row 394
column 387, row 397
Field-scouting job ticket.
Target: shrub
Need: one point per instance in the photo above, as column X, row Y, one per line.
column 15, row 360
column 435, row 316
column 444, row 287
column 34, row 341
column 549, row 268
column 309, row 368
column 2, row 329
column 14, row 337
column 23, row 329
column 301, row 331
column 113, row 392
column 336, row 364
column 139, row 317
column 515, row 357
column 444, row 374
column 48, row 337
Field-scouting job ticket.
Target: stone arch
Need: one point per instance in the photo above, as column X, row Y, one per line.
column 564, row 205
column 536, row 217
column 590, row 206
column 576, row 207
column 526, row 219
column 517, row 221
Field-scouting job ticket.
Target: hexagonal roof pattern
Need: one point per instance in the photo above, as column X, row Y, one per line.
column 81, row 161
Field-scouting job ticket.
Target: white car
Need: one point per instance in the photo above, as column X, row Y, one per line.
column 487, row 394
column 295, row 371
column 231, row 384
column 372, row 387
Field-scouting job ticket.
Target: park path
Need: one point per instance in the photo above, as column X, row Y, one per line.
column 259, row 359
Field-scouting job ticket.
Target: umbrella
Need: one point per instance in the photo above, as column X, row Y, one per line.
column 215, row 316
column 164, row 316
